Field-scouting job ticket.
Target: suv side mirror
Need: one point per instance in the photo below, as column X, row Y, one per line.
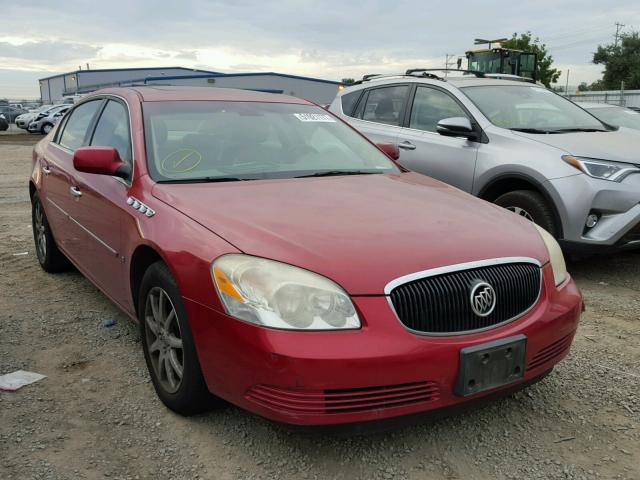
column 391, row 149
column 457, row 127
column 100, row 161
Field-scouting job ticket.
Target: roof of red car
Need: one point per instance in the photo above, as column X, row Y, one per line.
column 166, row 93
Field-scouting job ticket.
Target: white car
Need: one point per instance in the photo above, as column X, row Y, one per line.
column 45, row 121
column 23, row 121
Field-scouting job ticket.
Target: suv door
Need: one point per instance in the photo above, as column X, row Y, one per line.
column 101, row 203
column 450, row 159
column 380, row 112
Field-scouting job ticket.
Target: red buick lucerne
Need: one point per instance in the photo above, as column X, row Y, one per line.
column 277, row 259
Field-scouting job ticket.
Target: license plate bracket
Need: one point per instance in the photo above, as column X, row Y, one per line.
column 491, row 365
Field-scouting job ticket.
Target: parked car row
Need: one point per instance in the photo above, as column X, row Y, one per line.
column 520, row 146
column 276, row 258
column 43, row 119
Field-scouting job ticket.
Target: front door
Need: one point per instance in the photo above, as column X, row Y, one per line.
column 449, row 159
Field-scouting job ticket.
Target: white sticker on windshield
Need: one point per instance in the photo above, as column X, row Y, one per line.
column 314, row 117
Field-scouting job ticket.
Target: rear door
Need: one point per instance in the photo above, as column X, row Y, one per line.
column 422, row 149
column 57, row 168
column 101, row 203
column 380, row 112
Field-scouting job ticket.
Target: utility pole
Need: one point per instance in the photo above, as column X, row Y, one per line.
column 618, row 28
column 566, row 85
column 448, row 63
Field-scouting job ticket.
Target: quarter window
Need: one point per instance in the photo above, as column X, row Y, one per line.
column 385, row 105
column 75, row 129
column 349, row 102
column 112, row 130
column 430, row 106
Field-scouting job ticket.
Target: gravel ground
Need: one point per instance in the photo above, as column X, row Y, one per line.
column 96, row 414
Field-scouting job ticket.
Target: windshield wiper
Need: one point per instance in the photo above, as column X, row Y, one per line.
column 530, row 130
column 336, row 173
column 206, row 180
column 570, row 130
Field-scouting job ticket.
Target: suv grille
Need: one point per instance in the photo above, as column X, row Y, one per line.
column 441, row 304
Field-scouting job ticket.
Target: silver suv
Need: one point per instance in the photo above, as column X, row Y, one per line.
column 510, row 142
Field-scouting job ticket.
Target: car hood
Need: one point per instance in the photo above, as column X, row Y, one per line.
column 622, row 145
column 360, row 231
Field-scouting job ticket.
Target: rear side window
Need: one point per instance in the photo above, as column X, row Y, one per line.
column 385, row 105
column 430, row 106
column 75, row 129
column 112, row 130
column 349, row 102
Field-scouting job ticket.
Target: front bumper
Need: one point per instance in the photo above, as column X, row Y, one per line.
column 379, row 371
column 22, row 124
column 617, row 204
column 34, row 127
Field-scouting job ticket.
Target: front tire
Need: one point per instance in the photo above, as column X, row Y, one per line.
column 51, row 259
column 168, row 345
column 532, row 206
column 46, row 128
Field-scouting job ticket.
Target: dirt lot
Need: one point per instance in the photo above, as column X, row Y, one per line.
column 96, row 414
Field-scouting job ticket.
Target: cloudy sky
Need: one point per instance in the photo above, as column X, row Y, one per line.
column 325, row 38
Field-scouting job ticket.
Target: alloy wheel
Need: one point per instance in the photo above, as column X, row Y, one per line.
column 164, row 339
column 47, row 128
column 522, row 212
column 40, row 233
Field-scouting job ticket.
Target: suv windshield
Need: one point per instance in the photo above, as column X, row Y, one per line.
column 226, row 141
column 530, row 109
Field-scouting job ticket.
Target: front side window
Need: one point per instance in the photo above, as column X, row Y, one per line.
column 112, row 130
column 430, row 106
column 531, row 109
column 385, row 105
column 618, row 117
column 75, row 128
column 212, row 140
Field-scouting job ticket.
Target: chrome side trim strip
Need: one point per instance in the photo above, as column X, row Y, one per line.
column 456, row 268
column 95, row 237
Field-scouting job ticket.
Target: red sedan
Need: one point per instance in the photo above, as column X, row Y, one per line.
column 277, row 259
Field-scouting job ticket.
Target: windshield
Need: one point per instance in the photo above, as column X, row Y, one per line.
column 617, row 116
column 208, row 140
column 530, row 108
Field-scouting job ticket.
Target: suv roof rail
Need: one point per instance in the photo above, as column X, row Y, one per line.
column 413, row 71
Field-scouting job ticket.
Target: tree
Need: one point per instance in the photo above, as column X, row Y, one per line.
column 583, row 87
column 348, row 81
column 527, row 43
column 621, row 62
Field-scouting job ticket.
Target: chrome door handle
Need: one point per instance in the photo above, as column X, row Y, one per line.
column 75, row 191
column 46, row 170
column 407, row 146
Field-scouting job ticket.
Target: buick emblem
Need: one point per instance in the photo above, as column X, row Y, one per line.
column 483, row 299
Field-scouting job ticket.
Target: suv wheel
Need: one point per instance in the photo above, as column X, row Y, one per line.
column 46, row 128
column 168, row 345
column 532, row 206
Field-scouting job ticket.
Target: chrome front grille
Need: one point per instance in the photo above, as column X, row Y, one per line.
column 441, row 302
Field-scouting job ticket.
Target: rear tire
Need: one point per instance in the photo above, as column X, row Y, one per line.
column 51, row 259
column 532, row 206
column 168, row 345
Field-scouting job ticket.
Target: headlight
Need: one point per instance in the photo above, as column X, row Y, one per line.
column 277, row 295
column 556, row 257
column 603, row 169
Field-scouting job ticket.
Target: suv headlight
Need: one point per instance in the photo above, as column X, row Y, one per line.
column 556, row 257
column 602, row 169
column 277, row 295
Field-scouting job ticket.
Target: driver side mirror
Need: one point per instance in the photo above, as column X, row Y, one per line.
column 391, row 149
column 457, row 127
column 100, row 161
